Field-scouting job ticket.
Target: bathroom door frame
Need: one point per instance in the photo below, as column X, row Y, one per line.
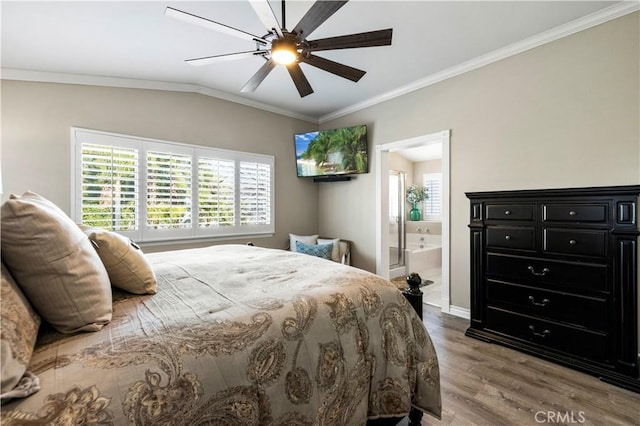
column 382, row 204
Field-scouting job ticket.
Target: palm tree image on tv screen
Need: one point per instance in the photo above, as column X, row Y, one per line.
column 332, row 152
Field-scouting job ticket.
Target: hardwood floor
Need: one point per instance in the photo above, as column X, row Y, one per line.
column 487, row 384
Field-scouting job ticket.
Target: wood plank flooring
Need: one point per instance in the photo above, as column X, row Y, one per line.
column 487, row 384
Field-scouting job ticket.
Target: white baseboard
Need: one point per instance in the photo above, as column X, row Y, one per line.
column 459, row 312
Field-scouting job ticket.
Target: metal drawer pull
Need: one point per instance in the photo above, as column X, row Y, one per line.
column 572, row 242
column 508, row 237
column 539, row 274
column 572, row 213
column 507, row 212
column 544, row 333
column 544, row 302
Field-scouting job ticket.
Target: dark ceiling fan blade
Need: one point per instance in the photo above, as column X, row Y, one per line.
column 266, row 15
column 212, row 25
column 336, row 68
column 223, row 58
column 315, row 16
column 260, row 75
column 299, row 79
column 368, row 39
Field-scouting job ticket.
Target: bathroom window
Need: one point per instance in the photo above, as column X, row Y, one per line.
column 433, row 205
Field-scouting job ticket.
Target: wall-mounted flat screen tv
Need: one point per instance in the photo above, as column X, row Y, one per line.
column 332, row 152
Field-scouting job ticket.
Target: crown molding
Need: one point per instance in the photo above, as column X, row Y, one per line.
column 616, row 11
column 580, row 24
column 130, row 83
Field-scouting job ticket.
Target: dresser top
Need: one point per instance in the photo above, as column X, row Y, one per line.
column 559, row 192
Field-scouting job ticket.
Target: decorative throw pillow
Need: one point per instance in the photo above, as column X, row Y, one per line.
column 19, row 330
column 126, row 265
column 307, row 239
column 319, row 250
column 55, row 264
column 335, row 252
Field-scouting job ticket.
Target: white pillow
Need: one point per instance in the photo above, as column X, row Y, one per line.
column 306, row 239
column 335, row 252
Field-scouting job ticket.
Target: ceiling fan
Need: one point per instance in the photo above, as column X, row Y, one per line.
column 282, row 47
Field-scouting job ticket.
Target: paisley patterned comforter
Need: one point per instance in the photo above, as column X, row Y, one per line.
column 240, row 335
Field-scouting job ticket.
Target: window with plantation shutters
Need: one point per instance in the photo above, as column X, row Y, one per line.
column 217, row 195
column 168, row 190
column 433, row 204
column 109, row 187
column 152, row 190
column 255, row 190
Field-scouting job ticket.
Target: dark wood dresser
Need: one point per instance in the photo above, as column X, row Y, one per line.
column 554, row 274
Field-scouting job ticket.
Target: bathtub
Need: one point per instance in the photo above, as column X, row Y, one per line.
column 423, row 254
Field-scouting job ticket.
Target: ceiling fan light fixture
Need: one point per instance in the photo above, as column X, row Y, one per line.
column 283, row 52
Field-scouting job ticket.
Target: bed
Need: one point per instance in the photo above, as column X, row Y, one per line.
column 239, row 335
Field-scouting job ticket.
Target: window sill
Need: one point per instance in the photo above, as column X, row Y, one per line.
column 192, row 240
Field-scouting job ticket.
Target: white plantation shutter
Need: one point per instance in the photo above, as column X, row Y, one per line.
column 174, row 190
column 216, row 192
column 433, row 205
column 109, row 187
column 168, row 190
column 255, row 193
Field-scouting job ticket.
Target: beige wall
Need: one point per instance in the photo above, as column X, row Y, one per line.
column 399, row 163
column 36, row 121
column 425, row 167
column 565, row 114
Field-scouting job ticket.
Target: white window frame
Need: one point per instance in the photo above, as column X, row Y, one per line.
column 79, row 136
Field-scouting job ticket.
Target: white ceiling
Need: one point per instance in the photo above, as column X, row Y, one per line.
column 95, row 42
column 432, row 151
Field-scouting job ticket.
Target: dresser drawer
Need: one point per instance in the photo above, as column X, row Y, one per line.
column 572, row 340
column 580, row 213
column 544, row 273
column 589, row 312
column 511, row 237
column 575, row 242
column 510, row 212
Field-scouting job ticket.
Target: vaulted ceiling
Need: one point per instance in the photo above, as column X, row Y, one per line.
column 133, row 44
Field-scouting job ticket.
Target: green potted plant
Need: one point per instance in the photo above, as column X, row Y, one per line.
column 415, row 194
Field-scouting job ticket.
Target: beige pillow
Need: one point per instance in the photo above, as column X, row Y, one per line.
column 306, row 239
column 55, row 264
column 126, row 265
column 19, row 331
column 335, row 252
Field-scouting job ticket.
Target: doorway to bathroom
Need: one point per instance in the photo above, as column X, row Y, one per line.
column 416, row 239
